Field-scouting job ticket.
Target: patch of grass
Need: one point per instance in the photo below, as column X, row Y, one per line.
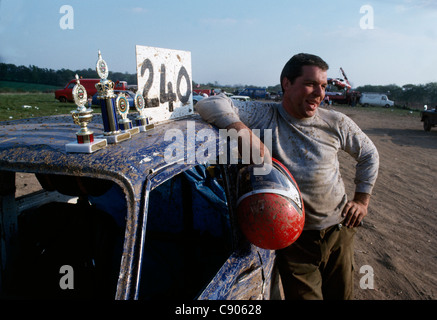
column 15, row 106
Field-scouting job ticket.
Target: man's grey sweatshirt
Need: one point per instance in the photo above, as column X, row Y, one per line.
column 308, row 148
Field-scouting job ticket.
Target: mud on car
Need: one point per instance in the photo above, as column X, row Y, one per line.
column 122, row 223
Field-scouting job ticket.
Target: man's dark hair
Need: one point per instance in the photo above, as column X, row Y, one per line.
column 293, row 68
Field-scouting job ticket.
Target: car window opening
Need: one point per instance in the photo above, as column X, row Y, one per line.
column 79, row 234
column 188, row 236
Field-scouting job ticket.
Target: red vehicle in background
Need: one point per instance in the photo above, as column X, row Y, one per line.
column 64, row 95
column 202, row 91
column 340, row 91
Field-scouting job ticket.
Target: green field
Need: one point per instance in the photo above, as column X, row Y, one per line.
column 11, row 86
column 15, row 106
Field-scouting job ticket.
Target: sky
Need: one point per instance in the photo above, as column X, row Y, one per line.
column 232, row 42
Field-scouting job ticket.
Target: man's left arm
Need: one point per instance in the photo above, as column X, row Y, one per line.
column 359, row 145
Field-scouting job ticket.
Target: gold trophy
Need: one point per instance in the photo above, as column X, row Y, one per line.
column 141, row 121
column 82, row 116
column 125, row 123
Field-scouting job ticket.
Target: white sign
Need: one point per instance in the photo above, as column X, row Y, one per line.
column 164, row 79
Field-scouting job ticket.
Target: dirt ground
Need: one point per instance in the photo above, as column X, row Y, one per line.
column 398, row 239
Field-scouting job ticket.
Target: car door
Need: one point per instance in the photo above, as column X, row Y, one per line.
column 249, row 273
column 192, row 247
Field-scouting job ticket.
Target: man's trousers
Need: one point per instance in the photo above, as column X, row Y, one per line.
column 319, row 265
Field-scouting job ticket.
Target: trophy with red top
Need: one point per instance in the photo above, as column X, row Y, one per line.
column 82, row 116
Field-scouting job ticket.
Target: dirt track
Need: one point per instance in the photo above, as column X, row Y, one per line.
column 398, row 239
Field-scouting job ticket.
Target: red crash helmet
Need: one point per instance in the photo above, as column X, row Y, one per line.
column 270, row 209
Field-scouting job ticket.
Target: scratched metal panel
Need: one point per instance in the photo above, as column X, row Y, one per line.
column 244, row 276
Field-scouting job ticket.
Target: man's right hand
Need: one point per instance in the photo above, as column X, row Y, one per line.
column 249, row 141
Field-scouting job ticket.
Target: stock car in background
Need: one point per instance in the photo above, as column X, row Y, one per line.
column 125, row 222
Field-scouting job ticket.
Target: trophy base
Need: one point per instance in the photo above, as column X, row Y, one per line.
column 86, row 147
column 146, row 127
column 134, row 131
column 116, row 138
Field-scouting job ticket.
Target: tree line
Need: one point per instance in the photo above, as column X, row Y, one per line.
column 58, row 78
column 409, row 95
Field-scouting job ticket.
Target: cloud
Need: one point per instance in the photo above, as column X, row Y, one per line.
column 137, row 10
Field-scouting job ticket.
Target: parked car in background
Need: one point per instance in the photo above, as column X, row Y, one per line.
column 276, row 96
column 66, row 94
column 197, row 97
column 254, row 93
column 203, row 92
column 429, row 118
column 121, row 85
column 240, row 98
column 375, row 99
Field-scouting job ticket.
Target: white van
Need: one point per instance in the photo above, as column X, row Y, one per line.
column 375, row 99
